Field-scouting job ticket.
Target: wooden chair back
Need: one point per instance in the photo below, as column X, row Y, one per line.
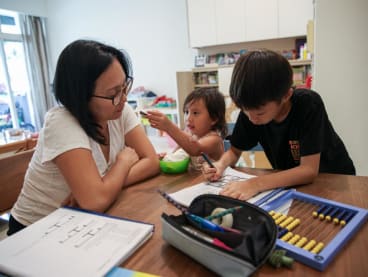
column 18, row 146
column 12, row 171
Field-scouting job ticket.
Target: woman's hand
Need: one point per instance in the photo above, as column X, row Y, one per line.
column 70, row 201
column 242, row 190
column 128, row 156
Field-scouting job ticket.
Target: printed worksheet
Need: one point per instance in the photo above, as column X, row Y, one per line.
column 71, row 242
column 186, row 196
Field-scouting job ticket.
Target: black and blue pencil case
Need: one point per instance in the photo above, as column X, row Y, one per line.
column 243, row 248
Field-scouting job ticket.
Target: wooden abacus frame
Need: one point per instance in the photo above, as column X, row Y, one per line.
column 322, row 259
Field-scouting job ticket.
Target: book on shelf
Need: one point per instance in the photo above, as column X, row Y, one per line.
column 72, row 242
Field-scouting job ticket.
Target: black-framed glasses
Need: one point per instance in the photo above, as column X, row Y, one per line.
column 121, row 90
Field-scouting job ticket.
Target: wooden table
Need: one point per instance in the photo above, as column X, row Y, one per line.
column 142, row 202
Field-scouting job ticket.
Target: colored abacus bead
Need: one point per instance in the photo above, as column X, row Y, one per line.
column 301, row 242
column 346, row 219
column 310, row 245
column 294, row 239
column 287, row 236
column 286, row 222
column 318, row 248
column 280, row 219
column 325, row 212
column 339, row 217
column 276, row 215
column 316, row 213
column 293, row 224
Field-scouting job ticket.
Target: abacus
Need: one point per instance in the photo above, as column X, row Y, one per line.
column 313, row 229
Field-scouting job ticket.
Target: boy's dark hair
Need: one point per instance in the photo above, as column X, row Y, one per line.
column 215, row 104
column 259, row 77
column 78, row 67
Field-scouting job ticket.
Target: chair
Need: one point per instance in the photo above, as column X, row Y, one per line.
column 12, row 171
column 17, row 146
column 255, row 157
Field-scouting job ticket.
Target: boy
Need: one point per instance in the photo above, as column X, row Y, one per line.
column 292, row 126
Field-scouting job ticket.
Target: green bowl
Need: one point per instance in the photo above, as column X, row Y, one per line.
column 174, row 167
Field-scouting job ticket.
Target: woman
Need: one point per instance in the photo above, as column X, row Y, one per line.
column 91, row 145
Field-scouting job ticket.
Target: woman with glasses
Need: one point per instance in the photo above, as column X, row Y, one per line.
column 91, row 145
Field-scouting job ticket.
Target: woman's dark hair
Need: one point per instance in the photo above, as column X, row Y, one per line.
column 215, row 104
column 78, row 67
column 259, row 77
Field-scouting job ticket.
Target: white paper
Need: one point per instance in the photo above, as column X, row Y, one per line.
column 186, row 196
column 71, row 243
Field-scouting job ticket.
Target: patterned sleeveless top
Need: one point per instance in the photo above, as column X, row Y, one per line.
column 196, row 162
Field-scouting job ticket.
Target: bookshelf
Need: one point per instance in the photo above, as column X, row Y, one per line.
column 301, row 70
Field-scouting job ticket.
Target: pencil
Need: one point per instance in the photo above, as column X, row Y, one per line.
column 205, row 157
column 225, row 212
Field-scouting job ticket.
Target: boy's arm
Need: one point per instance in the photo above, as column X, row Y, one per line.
column 305, row 173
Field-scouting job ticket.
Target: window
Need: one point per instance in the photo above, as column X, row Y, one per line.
column 15, row 102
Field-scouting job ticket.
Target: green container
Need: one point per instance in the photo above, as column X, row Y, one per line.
column 174, row 167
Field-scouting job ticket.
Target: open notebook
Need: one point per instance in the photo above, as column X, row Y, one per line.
column 186, row 196
column 72, row 242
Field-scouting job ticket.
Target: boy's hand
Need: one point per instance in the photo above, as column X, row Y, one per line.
column 242, row 190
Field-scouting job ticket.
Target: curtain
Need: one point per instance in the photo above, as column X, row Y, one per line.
column 37, row 58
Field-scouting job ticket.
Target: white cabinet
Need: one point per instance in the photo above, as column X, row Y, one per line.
column 216, row 22
column 231, row 21
column 261, row 20
column 202, row 22
column 293, row 17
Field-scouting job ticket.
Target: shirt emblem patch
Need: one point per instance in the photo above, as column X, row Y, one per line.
column 295, row 150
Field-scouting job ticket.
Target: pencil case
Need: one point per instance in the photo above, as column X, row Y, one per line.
column 249, row 249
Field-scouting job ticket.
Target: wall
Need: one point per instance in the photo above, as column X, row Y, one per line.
column 154, row 33
column 341, row 70
column 34, row 7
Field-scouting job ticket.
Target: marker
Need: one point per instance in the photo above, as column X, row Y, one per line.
column 206, row 224
column 205, row 157
column 225, row 212
column 214, row 241
column 143, row 113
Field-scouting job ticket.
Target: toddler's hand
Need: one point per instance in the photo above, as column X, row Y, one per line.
column 212, row 173
column 158, row 120
column 161, row 155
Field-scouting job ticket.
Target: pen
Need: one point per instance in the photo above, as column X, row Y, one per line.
column 205, row 157
column 225, row 212
column 203, row 222
column 206, row 224
column 143, row 113
column 214, row 241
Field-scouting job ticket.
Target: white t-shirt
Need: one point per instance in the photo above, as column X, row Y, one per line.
column 44, row 186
